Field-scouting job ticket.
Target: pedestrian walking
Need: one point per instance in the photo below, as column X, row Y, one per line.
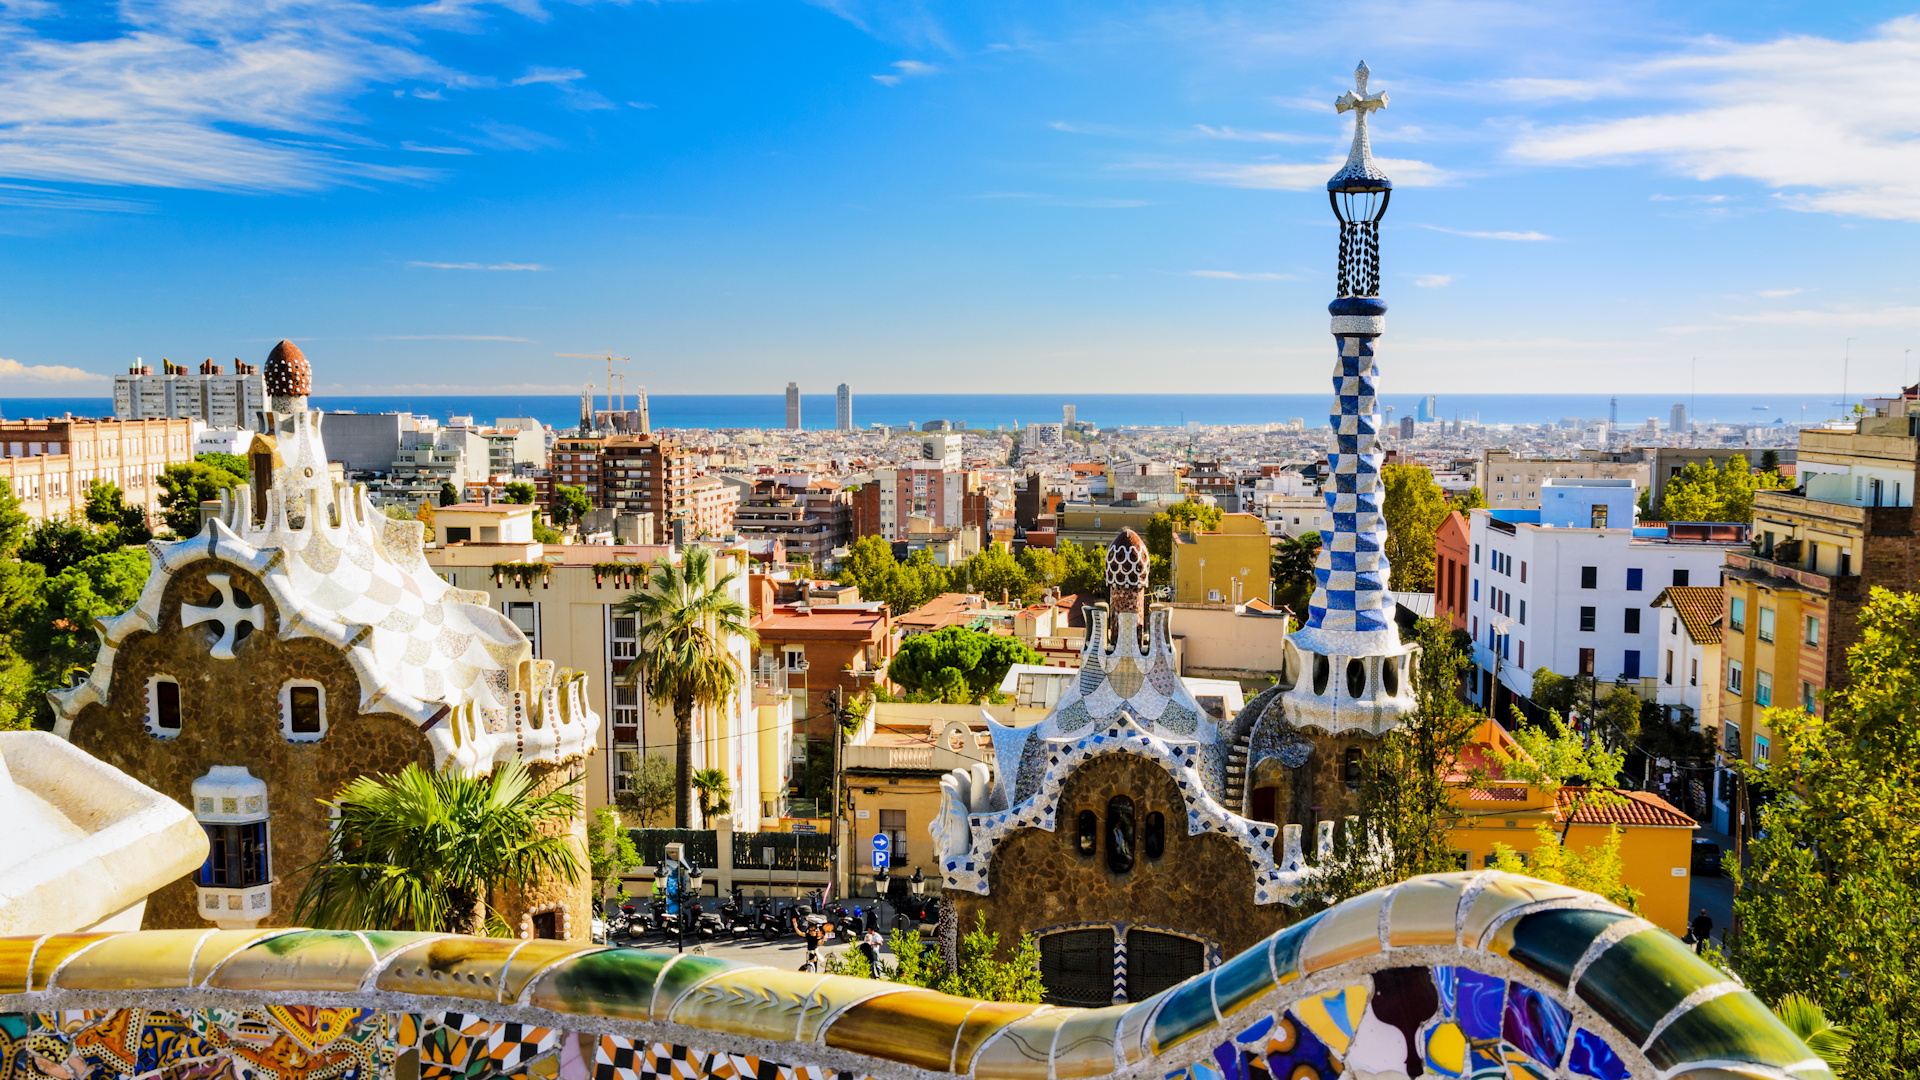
column 811, row 935
column 1701, row 931
column 870, row 943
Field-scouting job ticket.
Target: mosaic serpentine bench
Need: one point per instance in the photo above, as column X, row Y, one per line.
column 1456, row 975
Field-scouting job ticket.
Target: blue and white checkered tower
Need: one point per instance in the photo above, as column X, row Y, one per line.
column 1352, row 669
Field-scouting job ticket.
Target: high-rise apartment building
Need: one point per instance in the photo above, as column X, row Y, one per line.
column 1428, row 408
column 1678, row 423
column 1069, row 414
column 656, row 476
column 793, row 406
column 210, row 396
column 842, row 408
column 945, row 499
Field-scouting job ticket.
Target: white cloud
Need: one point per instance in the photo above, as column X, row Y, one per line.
column 1433, row 281
column 1240, row 135
column 1890, row 315
column 1231, row 275
column 1278, row 176
column 1775, row 294
column 905, row 69
column 1833, row 126
column 476, row 266
column 451, row 337
column 15, row 371
column 224, row 94
column 1524, row 237
column 564, row 80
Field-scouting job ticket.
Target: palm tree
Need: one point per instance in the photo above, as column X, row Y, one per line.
column 1830, row 1041
column 687, row 622
column 714, row 791
column 419, row 850
column 1293, row 559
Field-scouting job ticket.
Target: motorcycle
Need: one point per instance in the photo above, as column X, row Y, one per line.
column 768, row 922
column 736, row 916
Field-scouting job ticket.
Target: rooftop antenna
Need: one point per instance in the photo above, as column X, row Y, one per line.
column 1846, row 363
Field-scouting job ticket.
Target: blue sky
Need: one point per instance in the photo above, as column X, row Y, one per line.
column 927, row 197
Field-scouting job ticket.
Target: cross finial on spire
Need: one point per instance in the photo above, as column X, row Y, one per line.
column 1358, row 98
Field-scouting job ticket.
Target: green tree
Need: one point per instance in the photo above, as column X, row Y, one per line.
column 58, row 543
column 1293, row 559
column 448, row 493
column 689, row 620
column 1553, row 755
column 518, row 492
column 715, row 793
column 1596, row 869
column 419, row 850
column 995, row 573
column 1828, row 906
column 957, row 665
column 1471, row 499
column 1083, row 570
column 1413, row 506
column 570, row 504
column 187, row 484
column 544, row 533
column 233, row 463
column 981, row 973
column 55, row 630
column 1808, row 1021
column 610, row 850
column 1770, row 462
column 871, row 568
column 649, row 794
column 22, row 590
column 120, row 524
column 1184, row 516
column 1704, row 493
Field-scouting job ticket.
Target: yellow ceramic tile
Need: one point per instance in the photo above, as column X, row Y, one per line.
column 53, row 951
column 756, row 1003
column 831, row 996
column 1348, row 932
column 1134, row 1026
column 1084, row 1047
column 151, row 960
column 15, row 954
column 220, row 944
column 462, row 967
column 1502, row 896
column 1021, row 1051
column 533, row 958
column 1334, row 1016
column 983, row 1023
column 309, row 960
column 917, row 1027
column 1423, row 911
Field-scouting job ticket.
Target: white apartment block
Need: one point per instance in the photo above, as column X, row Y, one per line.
column 1513, row 483
column 1569, row 587
column 210, row 396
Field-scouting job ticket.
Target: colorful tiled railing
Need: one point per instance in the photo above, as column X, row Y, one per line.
column 1457, row 975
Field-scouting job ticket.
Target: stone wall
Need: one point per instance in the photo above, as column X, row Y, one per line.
column 1316, row 791
column 1201, row 885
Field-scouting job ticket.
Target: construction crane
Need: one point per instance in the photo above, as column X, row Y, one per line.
column 616, row 385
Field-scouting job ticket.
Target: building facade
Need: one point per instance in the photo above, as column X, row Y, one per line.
column 793, row 406
column 209, row 395
column 1229, row 565
column 1452, row 569
column 842, row 408
column 811, row 515
column 886, row 504
column 48, row 464
column 1513, row 483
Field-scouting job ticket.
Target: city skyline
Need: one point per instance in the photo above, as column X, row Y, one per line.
column 443, row 198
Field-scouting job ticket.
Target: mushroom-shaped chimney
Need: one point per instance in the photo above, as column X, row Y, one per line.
column 1127, row 573
column 287, row 373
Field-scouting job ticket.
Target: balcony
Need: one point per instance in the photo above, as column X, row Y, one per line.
column 1774, row 575
column 1870, row 520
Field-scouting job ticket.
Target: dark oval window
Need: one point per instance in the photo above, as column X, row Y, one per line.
column 1120, row 838
column 1390, row 675
column 1351, row 769
column 1154, row 836
column 1356, row 678
column 1321, row 670
column 1089, row 827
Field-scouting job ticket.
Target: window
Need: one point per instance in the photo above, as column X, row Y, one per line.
column 1633, row 579
column 303, row 711
column 623, row 637
column 1680, row 577
column 1846, row 563
column 1523, row 571
column 1076, row 967
column 1476, row 554
column 1730, row 738
column 236, row 855
column 1350, row 771
column 1812, row 636
column 1597, row 516
column 793, row 657
column 1088, row 830
column 163, row 706
column 1632, row 624
column 526, row 616
column 1586, row 662
column 1589, row 577
column 1807, row 698
column 1763, row 688
column 1523, row 613
column 1120, row 834
column 1669, row 675
column 1766, row 624
column 1736, row 677
column 459, row 534
column 1153, row 838
column 1693, row 671
column 1587, row 617
column 1736, row 613
column 894, row 824
column 1476, row 590
column 1523, row 654
column 1630, row 665
column 1762, row 751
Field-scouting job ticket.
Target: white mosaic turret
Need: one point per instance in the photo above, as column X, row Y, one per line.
column 1353, row 672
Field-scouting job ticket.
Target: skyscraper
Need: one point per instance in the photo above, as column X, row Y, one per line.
column 793, row 406
column 1429, row 408
column 842, row 409
column 1678, row 423
column 1068, row 414
column 1613, row 411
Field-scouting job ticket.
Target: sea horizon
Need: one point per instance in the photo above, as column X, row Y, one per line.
column 991, row 411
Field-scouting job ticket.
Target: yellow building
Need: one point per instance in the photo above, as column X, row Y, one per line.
column 1229, row 566
column 1656, row 846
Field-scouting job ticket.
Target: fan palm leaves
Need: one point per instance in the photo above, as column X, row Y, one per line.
column 1806, row 1019
column 420, row 850
column 688, row 619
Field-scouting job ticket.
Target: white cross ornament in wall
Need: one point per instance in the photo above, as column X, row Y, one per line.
column 228, row 614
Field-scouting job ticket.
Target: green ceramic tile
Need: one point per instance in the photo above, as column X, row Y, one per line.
column 1641, row 978
column 1187, row 1012
column 1242, row 979
column 1731, row 1027
column 687, row 973
column 756, row 1003
column 534, row 957
column 616, row 983
column 1551, row 943
column 311, row 960
column 1133, row 1028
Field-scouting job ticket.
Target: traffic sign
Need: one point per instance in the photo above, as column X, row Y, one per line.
column 880, row 860
column 880, row 841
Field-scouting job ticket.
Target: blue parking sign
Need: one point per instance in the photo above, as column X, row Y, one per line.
column 879, row 860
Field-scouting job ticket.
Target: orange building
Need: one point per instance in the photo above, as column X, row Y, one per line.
column 1450, row 550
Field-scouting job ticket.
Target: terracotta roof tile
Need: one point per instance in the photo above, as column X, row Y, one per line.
column 1698, row 607
column 1632, row 808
